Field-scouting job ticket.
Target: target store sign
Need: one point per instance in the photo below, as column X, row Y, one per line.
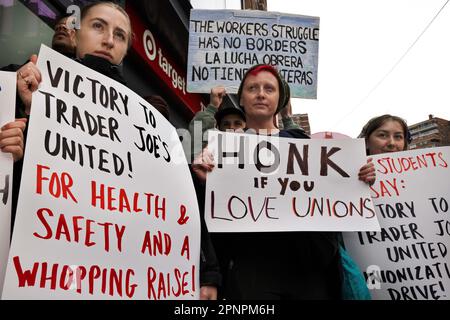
column 157, row 58
column 153, row 52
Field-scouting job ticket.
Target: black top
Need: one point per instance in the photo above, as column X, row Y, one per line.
column 104, row 67
column 279, row 265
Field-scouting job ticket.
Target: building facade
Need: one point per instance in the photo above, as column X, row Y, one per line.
column 301, row 119
column 254, row 4
column 434, row 132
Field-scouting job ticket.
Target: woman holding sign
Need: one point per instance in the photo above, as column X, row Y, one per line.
column 102, row 42
column 276, row 265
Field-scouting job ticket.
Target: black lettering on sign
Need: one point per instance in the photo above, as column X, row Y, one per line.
column 419, row 250
column 208, row 42
column 397, row 211
column 444, row 227
column 203, row 26
column 439, row 206
column 86, row 122
column 152, row 144
column 325, row 162
column 4, row 192
column 238, row 154
column 391, row 234
column 81, row 153
column 302, row 161
column 107, row 97
column 433, row 291
column 266, row 168
column 199, row 73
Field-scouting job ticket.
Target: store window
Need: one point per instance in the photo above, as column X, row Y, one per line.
column 21, row 31
column 25, row 24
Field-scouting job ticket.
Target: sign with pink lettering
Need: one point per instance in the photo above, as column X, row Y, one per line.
column 409, row 258
column 107, row 208
column 265, row 183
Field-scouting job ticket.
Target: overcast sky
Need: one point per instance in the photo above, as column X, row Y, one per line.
column 360, row 42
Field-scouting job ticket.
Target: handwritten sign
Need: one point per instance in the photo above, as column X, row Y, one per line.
column 224, row 44
column 264, row 183
column 107, row 208
column 409, row 258
column 7, row 104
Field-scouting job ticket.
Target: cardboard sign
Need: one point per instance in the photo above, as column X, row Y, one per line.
column 107, row 208
column 265, row 183
column 409, row 258
column 224, row 44
column 7, row 105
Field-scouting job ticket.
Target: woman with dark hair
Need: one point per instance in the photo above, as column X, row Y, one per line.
column 385, row 133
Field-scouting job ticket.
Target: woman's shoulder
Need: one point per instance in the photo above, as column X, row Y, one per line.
column 104, row 67
column 294, row 133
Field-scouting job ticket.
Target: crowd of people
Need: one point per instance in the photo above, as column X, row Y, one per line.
column 269, row 265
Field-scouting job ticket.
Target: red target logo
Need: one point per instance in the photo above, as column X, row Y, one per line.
column 149, row 45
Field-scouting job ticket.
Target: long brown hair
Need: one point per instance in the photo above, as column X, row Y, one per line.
column 374, row 123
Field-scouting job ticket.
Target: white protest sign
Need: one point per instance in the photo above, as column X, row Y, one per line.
column 266, row 183
column 7, row 106
column 223, row 44
column 107, row 208
column 409, row 258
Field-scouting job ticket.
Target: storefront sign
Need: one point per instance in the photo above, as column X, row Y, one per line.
column 152, row 51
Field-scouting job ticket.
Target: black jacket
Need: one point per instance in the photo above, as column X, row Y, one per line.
column 279, row 265
column 104, row 67
column 209, row 265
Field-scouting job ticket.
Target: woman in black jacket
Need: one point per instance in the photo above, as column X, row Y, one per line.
column 102, row 43
column 276, row 265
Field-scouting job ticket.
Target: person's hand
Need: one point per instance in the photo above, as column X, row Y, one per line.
column 216, row 96
column 202, row 164
column 11, row 138
column 286, row 112
column 367, row 172
column 28, row 79
column 208, row 293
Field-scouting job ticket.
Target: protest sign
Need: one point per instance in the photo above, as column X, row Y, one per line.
column 223, row 44
column 266, row 183
column 7, row 105
column 409, row 258
column 107, row 208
